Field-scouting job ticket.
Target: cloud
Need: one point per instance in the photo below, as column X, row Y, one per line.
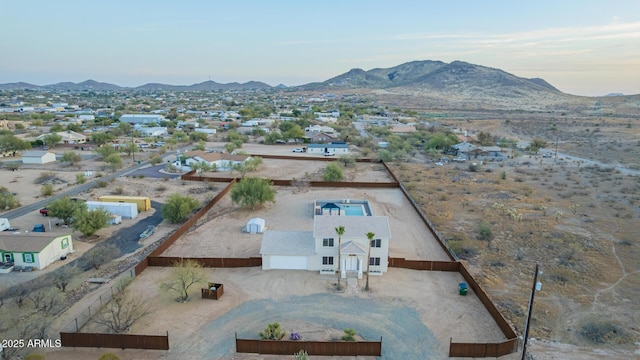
column 559, row 35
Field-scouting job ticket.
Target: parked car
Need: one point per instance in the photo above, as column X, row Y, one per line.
column 460, row 159
column 546, row 155
column 298, row 150
column 329, row 154
column 38, row 228
column 44, row 212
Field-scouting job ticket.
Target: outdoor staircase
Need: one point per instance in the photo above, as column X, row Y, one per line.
column 352, row 286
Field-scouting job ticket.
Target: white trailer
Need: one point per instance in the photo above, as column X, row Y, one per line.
column 126, row 210
column 4, row 224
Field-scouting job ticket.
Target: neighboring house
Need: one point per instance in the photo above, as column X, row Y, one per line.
column 317, row 250
column 152, row 131
column 34, row 251
column 320, row 138
column 68, row 137
column 222, row 161
column 465, row 149
column 254, row 122
column 206, row 131
column 495, row 153
column 318, row 129
column 86, row 118
column 337, row 148
column 38, row 157
column 142, row 118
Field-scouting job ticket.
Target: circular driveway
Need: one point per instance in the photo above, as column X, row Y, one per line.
column 404, row 336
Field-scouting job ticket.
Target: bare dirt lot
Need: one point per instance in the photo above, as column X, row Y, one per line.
column 577, row 219
column 222, row 235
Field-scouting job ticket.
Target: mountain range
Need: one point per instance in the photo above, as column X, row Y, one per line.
column 423, row 76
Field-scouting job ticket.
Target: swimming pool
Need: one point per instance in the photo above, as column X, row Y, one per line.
column 352, row 210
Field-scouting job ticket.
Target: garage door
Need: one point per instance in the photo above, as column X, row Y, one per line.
column 288, row 262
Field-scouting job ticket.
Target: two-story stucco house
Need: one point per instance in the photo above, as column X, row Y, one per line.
column 318, row 250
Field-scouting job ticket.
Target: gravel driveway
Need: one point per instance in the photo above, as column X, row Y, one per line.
column 404, row 336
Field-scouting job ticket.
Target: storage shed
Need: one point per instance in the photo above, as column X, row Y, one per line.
column 38, row 157
column 255, row 226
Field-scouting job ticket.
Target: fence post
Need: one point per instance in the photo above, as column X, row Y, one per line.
column 77, row 325
column 100, row 300
column 89, row 310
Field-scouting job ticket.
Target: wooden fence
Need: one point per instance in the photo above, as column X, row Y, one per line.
column 320, row 348
column 468, row 349
column 506, row 328
column 283, row 182
column 482, row 350
column 168, row 261
column 424, row 264
column 122, row 341
column 342, row 348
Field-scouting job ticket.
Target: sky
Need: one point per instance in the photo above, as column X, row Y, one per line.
column 581, row 47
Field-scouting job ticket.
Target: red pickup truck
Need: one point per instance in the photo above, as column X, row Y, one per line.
column 44, row 212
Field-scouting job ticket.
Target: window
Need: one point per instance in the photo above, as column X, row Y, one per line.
column 328, row 242
column 328, row 260
column 376, row 243
column 65, row 243
column 374, row 261
column 27, row 258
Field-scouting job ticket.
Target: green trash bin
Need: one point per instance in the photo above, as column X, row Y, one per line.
column 462, row 288
column 138, row 162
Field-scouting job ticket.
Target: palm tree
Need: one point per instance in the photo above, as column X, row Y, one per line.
column 370, row 236
column 340, row 232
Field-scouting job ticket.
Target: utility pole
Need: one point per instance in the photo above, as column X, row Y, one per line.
column 536, row 287
column 133, row 148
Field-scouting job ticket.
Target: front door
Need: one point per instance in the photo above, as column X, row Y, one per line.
column 8, row 257
column 351, row 263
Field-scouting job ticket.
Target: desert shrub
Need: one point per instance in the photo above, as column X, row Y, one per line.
column 462, row 250
column 46, row 190
column 349, row 335
column 8, row 200
column 272, row 332
column 178, row 207
column 109, row 356
column 118, row 191
column 301, row 355
column 484, row 232
column 45, row 177
column 80, row 178
column 333, row 172
column 603, row 332
column 156, row 160
column 34, row 356
column 101, row 184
